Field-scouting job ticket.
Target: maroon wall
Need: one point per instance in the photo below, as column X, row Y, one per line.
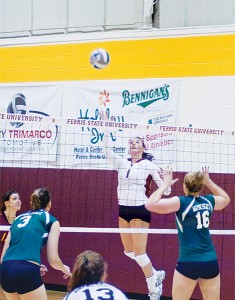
column 87, row 198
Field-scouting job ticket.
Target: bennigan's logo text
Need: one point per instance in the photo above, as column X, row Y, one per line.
column 146, row 98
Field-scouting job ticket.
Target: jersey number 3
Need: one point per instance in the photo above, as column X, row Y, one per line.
column 25, row 221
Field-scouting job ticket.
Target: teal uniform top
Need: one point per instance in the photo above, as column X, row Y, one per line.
column 192, row 221
column 29, row 233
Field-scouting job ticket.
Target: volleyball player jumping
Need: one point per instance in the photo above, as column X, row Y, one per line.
column 133, row 174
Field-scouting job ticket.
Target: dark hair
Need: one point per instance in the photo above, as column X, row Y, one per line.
column 6, row 197
column 40, row 198
column 145, row 155
column 88, row 268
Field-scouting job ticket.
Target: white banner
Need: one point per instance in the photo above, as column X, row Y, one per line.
column 143, row 101
column 58, row 125
column 24, row 138
column 150, row 101
column 19, row 139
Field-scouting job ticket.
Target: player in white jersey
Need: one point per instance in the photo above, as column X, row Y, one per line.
column 135, row 176
column 88, row 279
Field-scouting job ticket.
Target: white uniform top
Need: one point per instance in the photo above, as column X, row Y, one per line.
column 96, row 291
column 132, row 178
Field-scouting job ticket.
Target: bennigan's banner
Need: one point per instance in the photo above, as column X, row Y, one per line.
column 126, row 102
column 22, row 136
column 151, row 101
column 77, row 142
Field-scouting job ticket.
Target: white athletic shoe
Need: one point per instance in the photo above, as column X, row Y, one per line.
column 157, row 294
column 160, row 276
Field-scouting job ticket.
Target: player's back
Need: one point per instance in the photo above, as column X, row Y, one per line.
column 29, row 233
column 193, row 219
column 100, row 290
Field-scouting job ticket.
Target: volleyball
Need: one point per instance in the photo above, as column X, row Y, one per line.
column 99, row 58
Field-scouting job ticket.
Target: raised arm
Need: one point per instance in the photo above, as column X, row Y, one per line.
column 52, row 250
column 158, row 175
column 114, row 158
column 222, row 199
column 161, row 205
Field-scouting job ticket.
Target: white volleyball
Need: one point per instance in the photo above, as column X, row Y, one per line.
column 99, row 58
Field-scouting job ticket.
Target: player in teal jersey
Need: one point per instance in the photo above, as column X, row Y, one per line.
column 197, row 262
column 20, row 271
column 11, row 204
column 88, row 279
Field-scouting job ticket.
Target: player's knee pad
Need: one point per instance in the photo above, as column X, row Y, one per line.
column 130, row 254
column 142, row 260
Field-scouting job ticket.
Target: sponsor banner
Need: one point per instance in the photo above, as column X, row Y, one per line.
column 125, row 102
column 23, row 140
column 79, row 143
column 151, row 101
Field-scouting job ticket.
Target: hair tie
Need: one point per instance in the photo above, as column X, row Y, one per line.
column 86, row 261
column 36, row 192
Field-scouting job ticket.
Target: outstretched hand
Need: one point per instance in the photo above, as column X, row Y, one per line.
column 104, row 116
column 168, row 177
column 206, row 177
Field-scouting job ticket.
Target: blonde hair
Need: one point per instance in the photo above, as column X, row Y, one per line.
column 194, row 181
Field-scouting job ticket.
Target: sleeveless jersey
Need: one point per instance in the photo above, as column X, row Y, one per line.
column 192, row 221
column 3, row 234
column 97, row 291
column 29, row 233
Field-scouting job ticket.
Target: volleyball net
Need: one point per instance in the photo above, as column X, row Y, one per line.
column 69, row 156
column 47, row 142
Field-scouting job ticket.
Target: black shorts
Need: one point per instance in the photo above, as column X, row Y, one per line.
column 129, row 213
column 20, row 276
column 196, row 270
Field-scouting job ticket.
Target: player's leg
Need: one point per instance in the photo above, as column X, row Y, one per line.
column 183, row 287
column 139, row 246
column 39, row 294
column 153, row 278
column 12, row 296
column 126, row 238
column 210, row 288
